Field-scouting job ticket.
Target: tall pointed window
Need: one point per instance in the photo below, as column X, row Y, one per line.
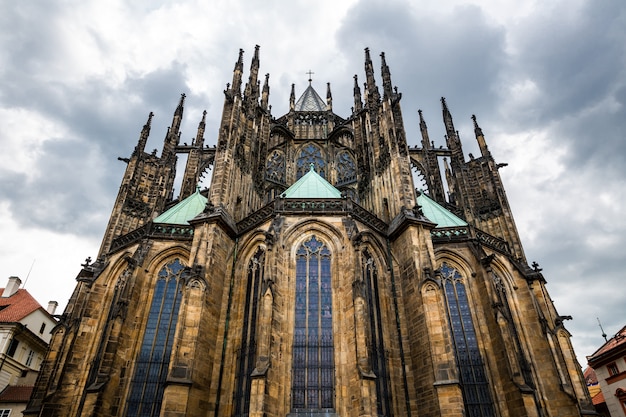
column 148, row 383
column 376, row 345
column 475, row 386
column 247, row 352
column 310, row 154
column 313, row 365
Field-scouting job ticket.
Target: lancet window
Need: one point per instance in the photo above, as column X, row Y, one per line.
column 310, row 154
column 246, row 353
column 148, row 383
column 475, row 386
column 346, row 169
column 376, row 346
column 313, row 364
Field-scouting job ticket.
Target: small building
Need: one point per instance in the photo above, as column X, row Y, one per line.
column 24, row 336
column 609, row 364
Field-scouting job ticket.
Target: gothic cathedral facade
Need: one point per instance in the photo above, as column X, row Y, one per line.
column 311, row 278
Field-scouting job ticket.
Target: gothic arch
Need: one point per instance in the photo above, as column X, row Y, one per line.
column 295, row 234
column 311, row 153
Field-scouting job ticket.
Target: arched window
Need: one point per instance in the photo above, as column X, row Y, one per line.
column 275, row 167
column 313, row 365
column 376, row 345
column 346, row 169
column 247, row 352
column 148, row 383
column 310, row 154
column 474, row 384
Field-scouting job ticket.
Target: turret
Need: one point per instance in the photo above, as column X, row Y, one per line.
column 329, row 98
column 173, row 132
column 386, row 74
column 238, row 73
column 373, row 96
column 480, row 138
column 292, row 98
column 251, row 92
column 358, row 104
column 143, row 137
column 266, row 92
column 452, row 137
column 424, row 130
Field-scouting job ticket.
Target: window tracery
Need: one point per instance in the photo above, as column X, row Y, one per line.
column 474, row 383
column 275, row 167
column 310, row 154
column 148, row 383
column 346, row 168
column 313, row 364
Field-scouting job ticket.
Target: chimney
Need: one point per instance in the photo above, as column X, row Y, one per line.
column 12, row 286
column 52, row 307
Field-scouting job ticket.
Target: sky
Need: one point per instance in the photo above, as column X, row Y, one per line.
column 546, row 81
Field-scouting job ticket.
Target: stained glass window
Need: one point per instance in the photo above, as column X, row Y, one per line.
column 313, row 365
column 275, row 167
column 346, row 169
column 246, row 354
column 148, row 383
column 473, row 378
column 310, row 154
column 376, row 345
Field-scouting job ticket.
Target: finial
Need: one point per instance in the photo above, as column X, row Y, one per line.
column 311, row 166
column 310, row 73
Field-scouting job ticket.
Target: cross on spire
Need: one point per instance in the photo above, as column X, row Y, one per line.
column 309, row 72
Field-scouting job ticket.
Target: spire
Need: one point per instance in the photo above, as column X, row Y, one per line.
column 387, row 88
column 480, row 138
column 251, row 92
column 199, row 140
column 358, row 104
column 370, row 82
column 452, row 137
column 173, row 132
column 425, row 139
column 329, row 98
column 143, row 137
column 266, row 92
column 238, row 72
column 292, row 98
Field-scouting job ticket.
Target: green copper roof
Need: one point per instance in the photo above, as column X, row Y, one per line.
column 310, row 101
column 184, row 211
column 438, row 214
column 311, row 185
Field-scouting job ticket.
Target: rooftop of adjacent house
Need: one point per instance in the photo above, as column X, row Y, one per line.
column 617, row 341
column 438, row 214
column 16, row 394
column 17, row 306
column 311, row 185
column 310, row 101
column 184, row 211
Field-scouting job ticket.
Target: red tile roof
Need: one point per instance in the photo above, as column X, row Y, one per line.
column 16, row 394
column 17, row 306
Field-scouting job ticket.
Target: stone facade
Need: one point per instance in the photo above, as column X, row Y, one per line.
column 266, row 305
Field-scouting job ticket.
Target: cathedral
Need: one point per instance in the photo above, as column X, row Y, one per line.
column 313, row 278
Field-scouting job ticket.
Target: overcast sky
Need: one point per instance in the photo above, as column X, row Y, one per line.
column 546, row 80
